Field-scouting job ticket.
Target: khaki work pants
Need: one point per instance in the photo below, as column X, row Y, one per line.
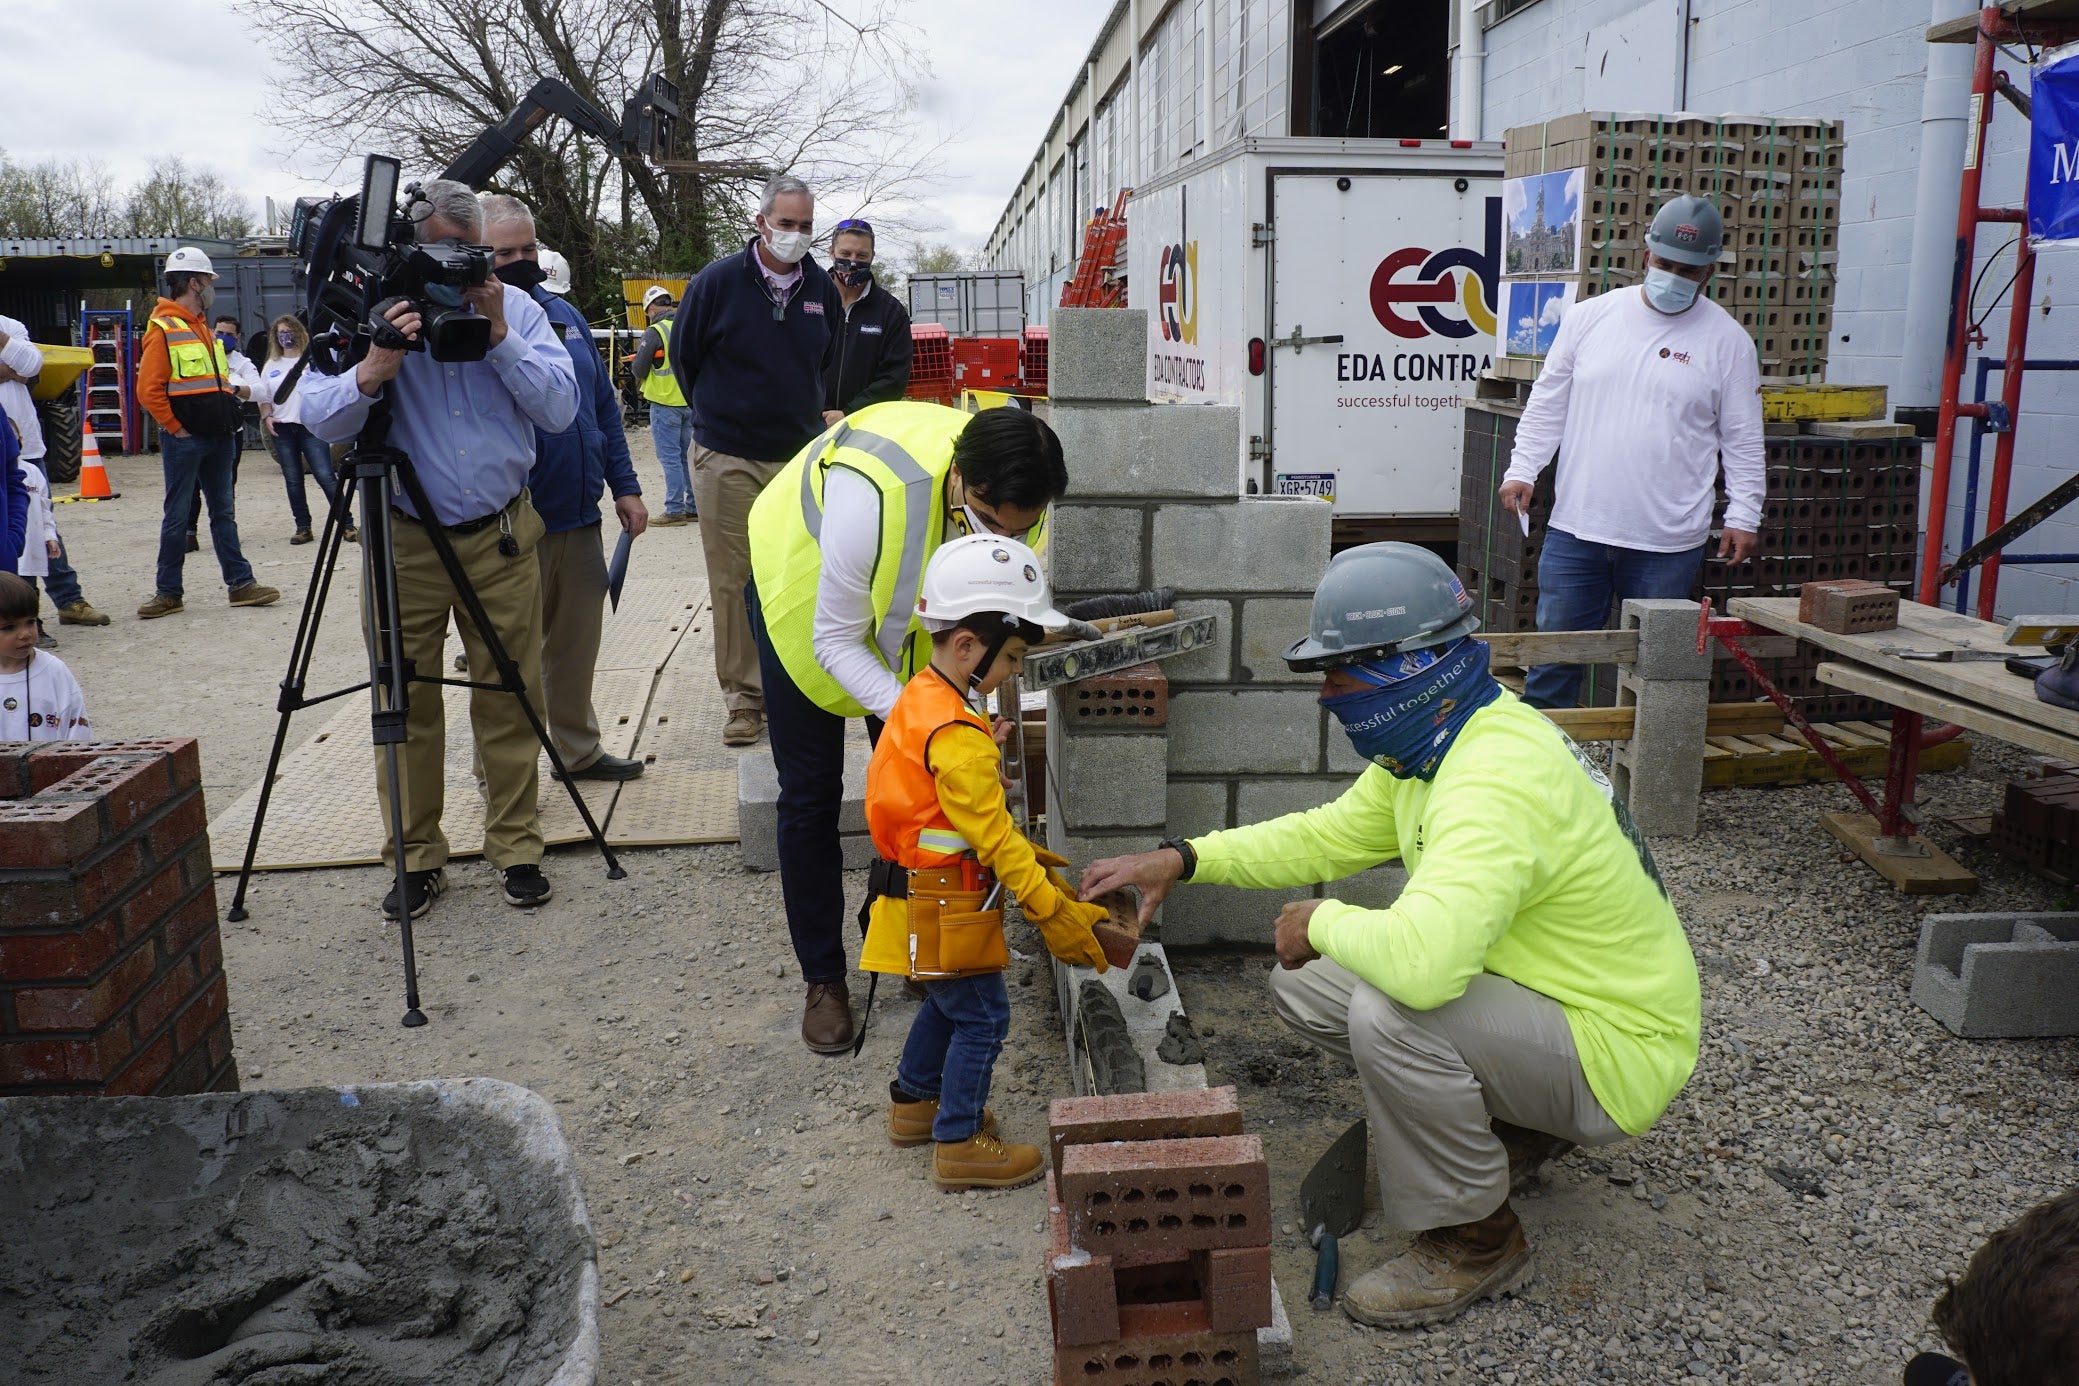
column 1432, row 1079
column 573, row 607
column 510, row 590
column 723, row 489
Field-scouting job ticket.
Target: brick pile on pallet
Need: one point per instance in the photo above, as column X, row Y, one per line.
column 111, row 969
column 1158, row 1240
column 1777, row 183
column 2038, row 824
column 1155, row 500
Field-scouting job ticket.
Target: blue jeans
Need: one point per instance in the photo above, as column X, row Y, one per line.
column 671, row 429
column 63, row 582
column 953, row 1044
column 298, row 450
column 187, row 461
column 1579, row 581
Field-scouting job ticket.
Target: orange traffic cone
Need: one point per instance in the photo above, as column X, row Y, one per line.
column 93, row 477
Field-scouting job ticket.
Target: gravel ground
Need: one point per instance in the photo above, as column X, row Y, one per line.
column 1837, row 1155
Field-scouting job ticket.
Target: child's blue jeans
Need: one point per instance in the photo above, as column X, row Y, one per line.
column 953, row 1044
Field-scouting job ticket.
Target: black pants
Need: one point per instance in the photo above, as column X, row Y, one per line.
column 808, row 750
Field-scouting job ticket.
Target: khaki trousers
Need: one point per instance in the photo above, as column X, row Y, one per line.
column 510, row 590
column 573, row 607
column 723, row 489
column 1432, row 1079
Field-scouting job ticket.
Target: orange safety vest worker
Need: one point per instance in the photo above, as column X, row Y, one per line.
column 183, row 376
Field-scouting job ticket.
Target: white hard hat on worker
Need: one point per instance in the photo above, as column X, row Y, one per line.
column 557, row 268
column 983, row 573
column 188, row 260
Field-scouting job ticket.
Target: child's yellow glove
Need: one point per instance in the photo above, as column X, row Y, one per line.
column 1068, row 935
column 1046, row 858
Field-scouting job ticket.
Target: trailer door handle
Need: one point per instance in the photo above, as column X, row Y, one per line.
column 1299, row 343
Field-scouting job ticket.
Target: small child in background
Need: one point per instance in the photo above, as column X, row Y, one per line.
column 949, row 849
column 39, row 698
column 39, row 539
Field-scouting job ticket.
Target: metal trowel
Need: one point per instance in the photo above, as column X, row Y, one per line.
column 1331, row 1203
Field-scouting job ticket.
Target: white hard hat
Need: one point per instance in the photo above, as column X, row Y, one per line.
column 558, row 270
column 653, row 293
column 983, row 573
column 188, row 260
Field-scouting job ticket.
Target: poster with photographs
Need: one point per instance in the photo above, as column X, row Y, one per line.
column 1531, row 312
column 1541, row 223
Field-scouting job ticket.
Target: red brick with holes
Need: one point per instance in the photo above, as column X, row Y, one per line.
column 111, row 968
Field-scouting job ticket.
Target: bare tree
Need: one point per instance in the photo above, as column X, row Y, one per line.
column 55, row 197
column 182, row 200
column 798, row 85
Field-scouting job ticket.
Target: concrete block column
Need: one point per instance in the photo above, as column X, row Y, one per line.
column 1659, row 773
column 1097, row 354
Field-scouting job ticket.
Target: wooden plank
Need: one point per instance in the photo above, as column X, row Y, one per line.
column 1929, row 703
column 1522, row 649
column 1937, row 873
column 1615, row 723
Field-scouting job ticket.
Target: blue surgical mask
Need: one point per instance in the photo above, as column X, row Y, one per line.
column 1670, row 292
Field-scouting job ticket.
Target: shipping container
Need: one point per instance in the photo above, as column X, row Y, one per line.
column 975, row 303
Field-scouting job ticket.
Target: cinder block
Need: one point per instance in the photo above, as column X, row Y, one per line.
column 1236, row 1285
column 1198, row 916
column 1255, row 544
column 1269, row 627
column 1083, row 848
column 1141, row 1116
column 1095, row 548
column 1339, row 756
column 1139, row 451
column 1667, row 639
column 1099, row 780
column 1212, row 663
column 1372, row 890
column 1173, row 1196
column 1197, row 807
column 2000, row 976
column 1097, row 354
column 1659, row 773
column 758, row 809
column 1258, row 799
column 1244, row 732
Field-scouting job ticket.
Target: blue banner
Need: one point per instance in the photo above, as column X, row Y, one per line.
column 2053, row 160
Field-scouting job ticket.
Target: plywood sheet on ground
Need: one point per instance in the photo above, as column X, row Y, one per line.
column 687, row 793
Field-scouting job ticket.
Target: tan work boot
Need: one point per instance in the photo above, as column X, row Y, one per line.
column 253, row 594
column 1529, row 1152
column 1446, row 1272
column 159, row 605
column 984, row 1162
column 826, row 1018
column 742, row 727
column 909, row 1123
column 81, row 613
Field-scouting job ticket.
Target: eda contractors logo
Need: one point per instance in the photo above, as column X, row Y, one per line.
column 1475, row 293
column 1176, row 293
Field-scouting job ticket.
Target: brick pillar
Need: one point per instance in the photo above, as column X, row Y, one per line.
column 111, row 969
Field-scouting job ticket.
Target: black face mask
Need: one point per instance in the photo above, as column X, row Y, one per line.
column 522, row 274
column 853, row 274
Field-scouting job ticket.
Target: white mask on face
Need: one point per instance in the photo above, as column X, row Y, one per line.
column 787, row 246
column 1670, row 292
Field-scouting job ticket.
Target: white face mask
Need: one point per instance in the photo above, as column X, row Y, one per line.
column 1670, row 292
column 787, row 246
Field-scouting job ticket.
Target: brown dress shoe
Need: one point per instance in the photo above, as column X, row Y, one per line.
column 1444, row 1273
column 826, row 1019
column 909, row 1123
column 1529, row 1152
column 984, row 1162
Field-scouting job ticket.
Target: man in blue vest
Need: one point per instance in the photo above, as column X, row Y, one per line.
column 570, row 467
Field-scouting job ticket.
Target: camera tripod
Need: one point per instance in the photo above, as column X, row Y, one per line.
column 369, row 474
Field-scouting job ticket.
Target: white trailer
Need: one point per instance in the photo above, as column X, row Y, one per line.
column 1343, row 293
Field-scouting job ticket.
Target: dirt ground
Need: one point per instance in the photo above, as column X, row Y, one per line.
column 1836, row 1156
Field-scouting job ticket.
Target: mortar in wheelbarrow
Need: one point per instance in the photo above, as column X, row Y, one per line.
column 393, row 1234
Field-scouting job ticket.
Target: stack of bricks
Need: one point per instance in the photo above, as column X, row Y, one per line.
column 1158, row 1240
column 1777, row 184
column 2038, row 825
column 111, row 970
column 1155, row 499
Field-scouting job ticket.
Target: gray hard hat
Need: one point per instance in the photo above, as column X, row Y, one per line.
column 1687, row 230
column 1382, row 599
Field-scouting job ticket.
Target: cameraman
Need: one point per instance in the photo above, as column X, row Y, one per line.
column 468, row 428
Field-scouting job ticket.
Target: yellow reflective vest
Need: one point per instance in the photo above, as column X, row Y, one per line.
column 199, row 389
column 661, row 385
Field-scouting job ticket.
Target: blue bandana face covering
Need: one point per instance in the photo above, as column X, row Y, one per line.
column 1415, row 707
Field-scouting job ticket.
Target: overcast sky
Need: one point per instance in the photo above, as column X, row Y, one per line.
column 86, row 78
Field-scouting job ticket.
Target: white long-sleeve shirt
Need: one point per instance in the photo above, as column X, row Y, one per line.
column 21, row 355
column 843, row 630
column 1643, row 405
column 43, row 524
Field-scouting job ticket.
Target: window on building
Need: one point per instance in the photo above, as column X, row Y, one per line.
column 1384, row 73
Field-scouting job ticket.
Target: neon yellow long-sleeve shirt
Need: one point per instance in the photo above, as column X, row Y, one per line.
column 1520, row 863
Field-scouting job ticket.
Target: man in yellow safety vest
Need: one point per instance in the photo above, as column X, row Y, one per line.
column 839, row 539
column 671, row 422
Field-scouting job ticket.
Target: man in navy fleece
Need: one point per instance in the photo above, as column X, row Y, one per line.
column 750, row 344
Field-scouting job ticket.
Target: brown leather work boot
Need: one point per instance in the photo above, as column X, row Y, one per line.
column 1445, row 1273
column 984, row 1162
column 1529, row 1152
column 826, row 1018
column 909, row 1123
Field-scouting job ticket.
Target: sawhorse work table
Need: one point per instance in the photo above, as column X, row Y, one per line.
column 1966, row 686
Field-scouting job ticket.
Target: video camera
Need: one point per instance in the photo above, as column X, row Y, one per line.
column 363, row 256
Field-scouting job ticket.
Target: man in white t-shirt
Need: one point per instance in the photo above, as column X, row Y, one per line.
column 1644, row 393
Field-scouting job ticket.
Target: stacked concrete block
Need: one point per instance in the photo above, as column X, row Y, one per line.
column 1659, row 773
column 111, row 968
column 1158, row 1255
column 758, row 809
column 2000, row 976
